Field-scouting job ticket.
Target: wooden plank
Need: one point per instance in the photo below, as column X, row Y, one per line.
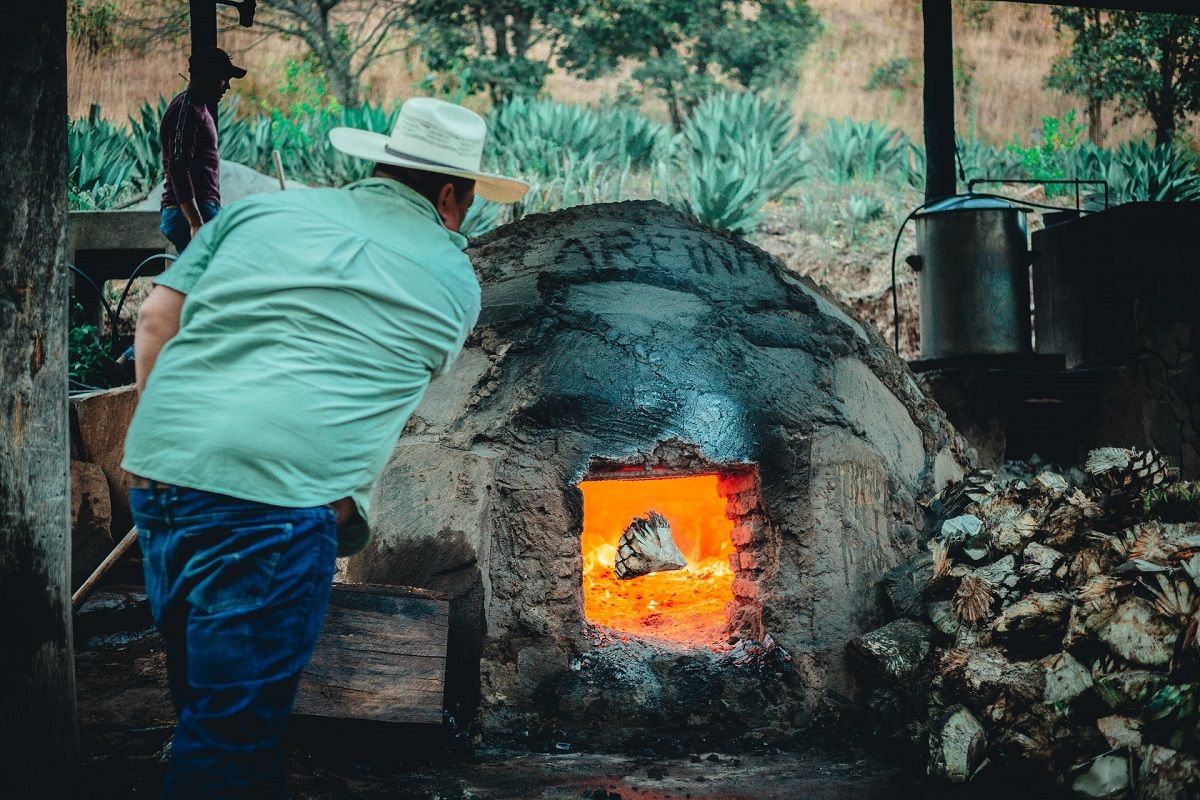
column 381, row 656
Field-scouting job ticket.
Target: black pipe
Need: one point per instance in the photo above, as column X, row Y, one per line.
column 939, row 100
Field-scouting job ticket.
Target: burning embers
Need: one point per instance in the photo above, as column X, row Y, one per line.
column 635, row 534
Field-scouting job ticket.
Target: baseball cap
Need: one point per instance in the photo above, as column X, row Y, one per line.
column 214, row 61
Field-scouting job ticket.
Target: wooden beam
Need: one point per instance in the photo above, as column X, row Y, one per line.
column 39, row 744
column 939, row 99
column 381, row 656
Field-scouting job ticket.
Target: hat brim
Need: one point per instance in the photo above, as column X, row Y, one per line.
column 370, row 146
column 236, row 72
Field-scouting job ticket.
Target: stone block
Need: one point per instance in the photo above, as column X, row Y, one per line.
column 99, row 422
column 745, row 588
column 743, row 503
column 729, row 484
column 748, row 532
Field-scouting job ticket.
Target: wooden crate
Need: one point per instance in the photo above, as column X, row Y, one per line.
column 381, row 656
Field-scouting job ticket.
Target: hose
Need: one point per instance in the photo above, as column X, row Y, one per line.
column 128, row 286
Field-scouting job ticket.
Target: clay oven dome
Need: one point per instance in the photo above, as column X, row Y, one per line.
column 628, row 360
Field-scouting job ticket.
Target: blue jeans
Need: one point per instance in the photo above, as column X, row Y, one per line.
column 239, row 590
column 174, row 224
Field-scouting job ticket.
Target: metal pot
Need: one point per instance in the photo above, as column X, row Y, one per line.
column 973, row 256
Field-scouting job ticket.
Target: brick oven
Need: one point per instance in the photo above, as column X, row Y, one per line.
column 629, row 360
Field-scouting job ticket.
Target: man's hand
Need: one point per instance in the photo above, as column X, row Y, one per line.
column 158, row 322
column 191, row 212
column 344, row 509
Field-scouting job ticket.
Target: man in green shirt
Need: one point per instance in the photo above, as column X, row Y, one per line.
column 277, row 361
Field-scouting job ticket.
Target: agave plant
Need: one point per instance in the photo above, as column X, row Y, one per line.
column 101, row 165
column 850, row 150
column 482, row 216
column 736, row 152
column 574, row 180
column 531, row 135
column 1136, row 171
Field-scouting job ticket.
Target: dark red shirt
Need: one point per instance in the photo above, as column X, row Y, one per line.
column 188, row 134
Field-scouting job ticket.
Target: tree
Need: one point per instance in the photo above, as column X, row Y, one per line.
column 489, row 45
column 38, row 738
column 685, row 46
column 345, row 37
column 1144, row 62
column 1082, row 71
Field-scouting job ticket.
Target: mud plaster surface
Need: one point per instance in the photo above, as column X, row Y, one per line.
column 630, row 334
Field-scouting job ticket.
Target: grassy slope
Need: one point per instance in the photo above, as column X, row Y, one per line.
column 1007, row 52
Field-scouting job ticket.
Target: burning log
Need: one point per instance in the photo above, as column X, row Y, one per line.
column 647, row 546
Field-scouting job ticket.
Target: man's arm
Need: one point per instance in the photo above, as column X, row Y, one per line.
column 158, row 322
column 179, row 135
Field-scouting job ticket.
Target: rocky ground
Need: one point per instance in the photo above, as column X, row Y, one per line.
column 126, row 718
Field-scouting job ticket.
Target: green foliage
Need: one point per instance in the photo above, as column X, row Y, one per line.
column 482, row 216
column 895, row 74
column 975, row 13
column 980, row 159
column 487, row 45
column 106, row 165
column 92, row 26
column 736, row 152
column 1145, row 63
column 860, row 210
column 849, row 150
column 574, row 180
column 305, row 86
column 1136, row 171
column 683, row 48
column 88, row 360
column 1176, row 502
column 534, row 136
column 1046, row 158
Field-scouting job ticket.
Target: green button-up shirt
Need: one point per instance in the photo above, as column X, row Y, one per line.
column 313, row 322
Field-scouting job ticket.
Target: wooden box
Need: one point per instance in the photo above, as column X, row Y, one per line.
column 381, row 656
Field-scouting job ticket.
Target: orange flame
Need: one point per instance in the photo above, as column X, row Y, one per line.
column 684, row 605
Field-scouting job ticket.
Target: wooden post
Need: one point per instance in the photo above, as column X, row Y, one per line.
column 204, row 23
column 39, row 742
column 939, row 99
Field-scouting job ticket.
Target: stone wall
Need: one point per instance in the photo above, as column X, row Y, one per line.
column 100, row 514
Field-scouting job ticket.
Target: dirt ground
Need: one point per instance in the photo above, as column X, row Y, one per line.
column 126, row 718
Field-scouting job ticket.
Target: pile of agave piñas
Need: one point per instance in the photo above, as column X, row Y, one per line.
column 1051, row 626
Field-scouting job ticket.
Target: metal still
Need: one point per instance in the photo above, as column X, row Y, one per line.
column 973, row 257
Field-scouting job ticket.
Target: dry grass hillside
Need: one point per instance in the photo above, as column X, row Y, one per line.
column 1004, row 51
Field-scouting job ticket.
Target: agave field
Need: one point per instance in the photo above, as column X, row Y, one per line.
column 736, row 153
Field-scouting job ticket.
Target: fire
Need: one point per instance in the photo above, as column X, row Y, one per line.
column 681, row 605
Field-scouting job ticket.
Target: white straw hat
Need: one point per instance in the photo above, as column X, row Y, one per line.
column 434, row 136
